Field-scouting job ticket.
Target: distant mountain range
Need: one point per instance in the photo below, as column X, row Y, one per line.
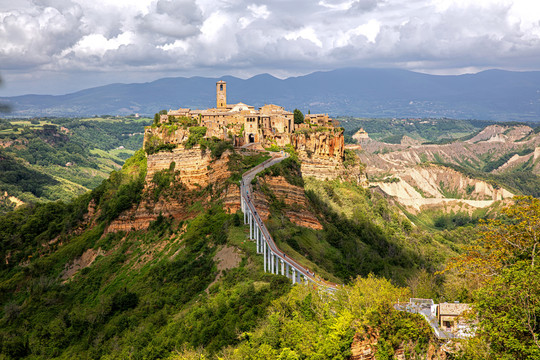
column 490, row 95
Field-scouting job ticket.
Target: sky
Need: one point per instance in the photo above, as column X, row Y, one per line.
column 61, row 46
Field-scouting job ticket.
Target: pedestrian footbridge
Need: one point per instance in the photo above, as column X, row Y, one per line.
column 275, row 260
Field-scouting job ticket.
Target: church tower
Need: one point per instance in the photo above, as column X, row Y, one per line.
column 221, row 94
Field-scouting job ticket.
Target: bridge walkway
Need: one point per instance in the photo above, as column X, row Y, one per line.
column 275, row 260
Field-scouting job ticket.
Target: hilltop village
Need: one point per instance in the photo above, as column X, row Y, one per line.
column 319, row 141
column 270, row 124
column 202, row 148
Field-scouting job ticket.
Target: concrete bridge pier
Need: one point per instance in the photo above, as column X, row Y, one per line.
column 274, row 261
column 243, row 205
column 259, row 241
column 265, row 259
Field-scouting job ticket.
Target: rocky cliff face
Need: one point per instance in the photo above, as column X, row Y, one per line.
column 499, row 133
column 197, row 177
column 328, row 144
column 167, row 134
column 365, row 348
column 490, row 144
column 402, row 170
column 296, row 206
column 322, row 155
column 431, row 185
column 196, row 169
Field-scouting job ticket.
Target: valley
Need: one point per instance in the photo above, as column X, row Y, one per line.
column 58, row 158
column 156, row 260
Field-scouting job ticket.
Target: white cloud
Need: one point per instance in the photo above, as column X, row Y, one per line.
column 97, row 44
column 205, row 37
column 307, row 33
column 370, row 30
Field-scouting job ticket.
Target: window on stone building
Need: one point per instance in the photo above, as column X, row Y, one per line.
column 447, row 324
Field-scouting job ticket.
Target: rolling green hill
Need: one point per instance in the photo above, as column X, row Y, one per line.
column 57, row 159
column 69, row 289
column 193, row 287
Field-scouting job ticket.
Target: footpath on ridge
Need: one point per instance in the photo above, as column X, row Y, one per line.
column 273, row 256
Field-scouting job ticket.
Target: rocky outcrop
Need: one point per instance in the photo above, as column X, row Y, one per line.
column 402, row 170
column 231, row 199
column 429, row 184
column 84, row 261
column 296, row 207
column 322, row 153
column 197, row 177
column 11, row 199
column 499, row 133
column 364, row 347
column 327, row 144
column 382, row 157
column 196, row 168
column 360, row 135
column 172, row 134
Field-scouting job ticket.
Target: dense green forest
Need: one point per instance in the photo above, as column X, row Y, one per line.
column 160, row 292
column 58, row 158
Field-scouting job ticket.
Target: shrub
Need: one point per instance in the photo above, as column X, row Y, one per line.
column 196, row 134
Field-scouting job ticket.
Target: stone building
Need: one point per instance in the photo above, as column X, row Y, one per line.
column 270, row 123
column 449, row 316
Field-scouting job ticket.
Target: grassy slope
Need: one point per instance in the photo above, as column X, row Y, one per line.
column 148, row 293
column 143, row 295
column 95, row 147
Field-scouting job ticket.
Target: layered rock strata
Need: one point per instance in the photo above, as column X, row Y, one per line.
column 194, row 170
column 365, row 348
column 296, row 205
column 321, row 154
column 166, row 134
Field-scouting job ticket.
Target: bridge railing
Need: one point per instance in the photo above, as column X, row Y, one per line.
column 267, row 238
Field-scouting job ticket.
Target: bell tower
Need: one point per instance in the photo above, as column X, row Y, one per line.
column 221, row 94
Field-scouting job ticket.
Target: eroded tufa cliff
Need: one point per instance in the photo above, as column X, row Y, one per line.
column 364, row 347
column 165, row 134
column 322, row 155
column 291, row 197
column 192, row 175
column 178, row 177
column 327, row 144
column 196, row 168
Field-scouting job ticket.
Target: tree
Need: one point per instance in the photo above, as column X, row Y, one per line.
column 513, row 237
column 298, row 117
column 508, row 309
column 508, row 304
